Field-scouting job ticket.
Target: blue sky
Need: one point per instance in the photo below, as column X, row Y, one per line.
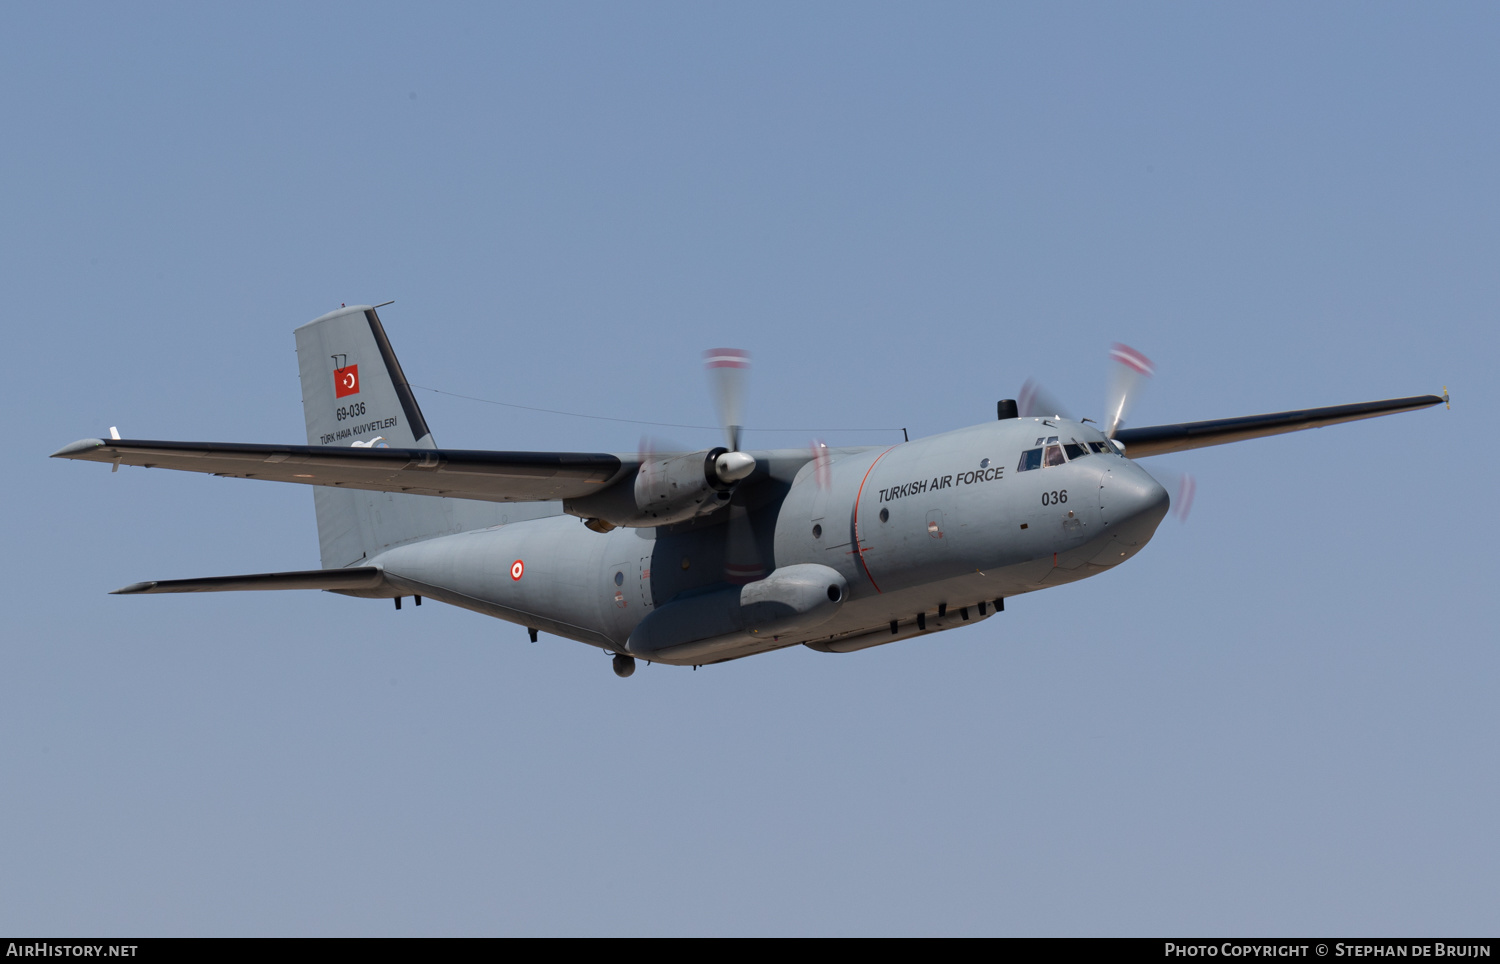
column 1279, row 719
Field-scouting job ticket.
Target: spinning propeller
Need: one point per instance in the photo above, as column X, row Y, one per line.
column 822, row 461
column 1129, row 373
column 727, row 369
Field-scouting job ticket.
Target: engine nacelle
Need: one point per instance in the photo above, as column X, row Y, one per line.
column 666, row 489
column 676, row 489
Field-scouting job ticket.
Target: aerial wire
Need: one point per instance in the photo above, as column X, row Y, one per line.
column 633, row 421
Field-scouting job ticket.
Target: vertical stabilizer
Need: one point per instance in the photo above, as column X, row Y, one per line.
column 355, row 394
column 353, row 389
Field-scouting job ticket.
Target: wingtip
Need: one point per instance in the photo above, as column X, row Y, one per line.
column 78, row 448
column 133, row 588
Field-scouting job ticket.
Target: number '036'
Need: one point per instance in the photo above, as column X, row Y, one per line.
column 1054, row 498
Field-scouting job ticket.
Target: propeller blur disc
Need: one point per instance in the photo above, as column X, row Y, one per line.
column 727, row 370
column 1131, row 369
column 1036, row 402
column 822, row 464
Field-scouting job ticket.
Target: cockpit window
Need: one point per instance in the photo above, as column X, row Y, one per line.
column 1052, row 453
column 1103, row 448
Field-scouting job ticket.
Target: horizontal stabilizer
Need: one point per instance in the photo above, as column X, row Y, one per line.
column 1162, row 439
column 336, row 580
column 452, row 473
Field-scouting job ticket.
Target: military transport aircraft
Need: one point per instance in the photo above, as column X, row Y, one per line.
column 701, row 557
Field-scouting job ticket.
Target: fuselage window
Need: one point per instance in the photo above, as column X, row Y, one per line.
column 1054, row 455
column 1030, row 459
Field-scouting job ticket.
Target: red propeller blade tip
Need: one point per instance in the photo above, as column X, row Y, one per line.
column 1131, row 358
column 726, row 358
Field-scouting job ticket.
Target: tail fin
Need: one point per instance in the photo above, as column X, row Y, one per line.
column 355, row 394
column 353, row 389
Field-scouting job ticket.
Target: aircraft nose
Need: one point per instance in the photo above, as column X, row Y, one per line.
column 1133, row 504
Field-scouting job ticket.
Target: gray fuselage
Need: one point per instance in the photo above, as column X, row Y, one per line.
column 940, row 527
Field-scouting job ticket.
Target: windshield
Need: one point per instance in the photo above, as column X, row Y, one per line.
column 1049, row 452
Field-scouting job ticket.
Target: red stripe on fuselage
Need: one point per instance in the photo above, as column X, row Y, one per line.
column 859, row 551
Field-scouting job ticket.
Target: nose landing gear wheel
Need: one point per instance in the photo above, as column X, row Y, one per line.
column 624, row 665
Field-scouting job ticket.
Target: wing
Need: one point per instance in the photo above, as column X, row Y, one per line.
column 1161, row 439
column 453, row 473
column 335, row 580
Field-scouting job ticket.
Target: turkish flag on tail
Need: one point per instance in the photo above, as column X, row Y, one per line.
column 346, row 381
